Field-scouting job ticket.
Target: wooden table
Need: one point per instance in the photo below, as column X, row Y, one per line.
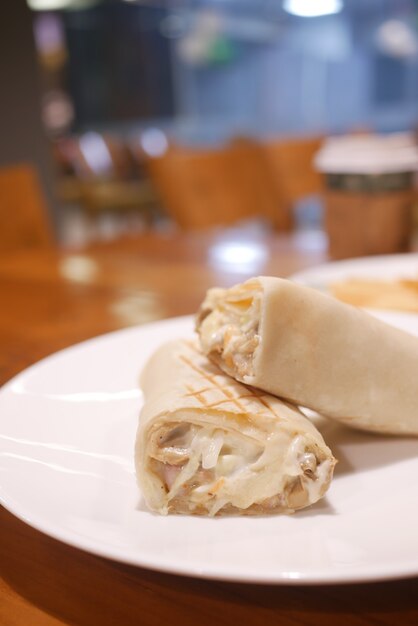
column 52, row 299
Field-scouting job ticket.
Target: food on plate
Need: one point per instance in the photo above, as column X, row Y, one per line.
column 209, row 445
column 401, row 295
column 307, row 347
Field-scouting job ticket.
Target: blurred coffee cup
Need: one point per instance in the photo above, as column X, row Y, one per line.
column 369, row 192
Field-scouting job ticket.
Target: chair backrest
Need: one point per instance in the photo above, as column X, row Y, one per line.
column 197, row 187
column 94, row 156
column 23, row 214
column 202, row 188
column 259, row 184
column 290, row 163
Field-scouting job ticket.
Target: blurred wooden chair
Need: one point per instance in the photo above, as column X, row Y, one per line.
column 23, row 213
column 98, row 173
column 93, row 156
column 117, row 197
column 203, row 188
column 290, row 166
column 259, row 184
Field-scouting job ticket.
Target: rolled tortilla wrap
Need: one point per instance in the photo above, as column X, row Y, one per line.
column 208, row 445
column 309, row 348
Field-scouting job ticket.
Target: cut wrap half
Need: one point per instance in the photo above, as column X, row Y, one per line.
column 208, row 445
column 307, row 347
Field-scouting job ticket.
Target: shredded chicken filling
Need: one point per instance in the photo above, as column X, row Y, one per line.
column 197, row 466
column 228, row 325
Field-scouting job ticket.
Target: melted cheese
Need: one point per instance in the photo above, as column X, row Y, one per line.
column 213, row 468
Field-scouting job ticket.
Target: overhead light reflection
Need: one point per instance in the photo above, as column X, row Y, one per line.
column 87, row 396
column 154, row 142
column 78, row 268
column 57, row 5
column 137, row 308
column 239, row 257
column 397, row 38
column 312, row 8
column 48, row 5
column 56, row 447
column 96, row 153
column 48, row 464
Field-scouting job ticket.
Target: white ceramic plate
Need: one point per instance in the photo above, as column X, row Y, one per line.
column 386, row 267
column 67, row 430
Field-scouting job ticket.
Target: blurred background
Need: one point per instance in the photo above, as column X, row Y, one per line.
column 149, row 114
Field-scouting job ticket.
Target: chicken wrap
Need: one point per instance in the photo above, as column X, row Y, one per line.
column 208, row 445
column 305, row 346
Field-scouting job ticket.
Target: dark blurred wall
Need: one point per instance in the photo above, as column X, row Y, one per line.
column 22, row 136
column 119, row 65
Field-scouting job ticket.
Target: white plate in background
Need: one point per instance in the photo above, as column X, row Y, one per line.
column 67, row 431
column 386, row 267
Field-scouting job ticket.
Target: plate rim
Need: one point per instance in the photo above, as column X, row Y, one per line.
column 303, row 276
